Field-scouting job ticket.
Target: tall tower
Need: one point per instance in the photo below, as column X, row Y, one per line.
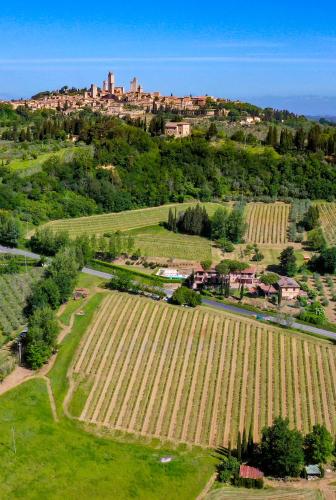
column 134, row 85
column 105, row 86
column 110, row 83
column 94, row 91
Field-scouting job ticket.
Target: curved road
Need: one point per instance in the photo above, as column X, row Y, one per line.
column 212, row 303
column 269, row 317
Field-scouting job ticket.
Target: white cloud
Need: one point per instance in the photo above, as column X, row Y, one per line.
column 167, row 59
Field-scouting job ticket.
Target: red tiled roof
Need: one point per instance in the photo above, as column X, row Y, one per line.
column 267, row 288
column 248, row 472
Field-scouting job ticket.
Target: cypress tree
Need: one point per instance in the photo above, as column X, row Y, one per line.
column 250, row 443
column 239, row 447
column 244, row 445
column 274, row 137
column 170, row 220
column 269, row 137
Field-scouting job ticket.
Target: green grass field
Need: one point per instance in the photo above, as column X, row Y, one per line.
column 19, row 164
column 62, row 460
column 156, row 241
column 123, row 221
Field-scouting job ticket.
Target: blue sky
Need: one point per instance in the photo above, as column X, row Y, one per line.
column 277, row 53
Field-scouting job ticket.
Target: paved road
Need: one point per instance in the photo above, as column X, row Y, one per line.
column 17, row 251
column 99, row 274
column 212, row 303
column 269, row 317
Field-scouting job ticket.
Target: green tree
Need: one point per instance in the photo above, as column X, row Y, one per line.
column 269, row 279
column 206, row 264
column 318, row 445
column 281, row 449
column 316, row 239
column 223, row 270
column 228, row 469
column 236, row 224
column 10, row 230
column 239, row 447
column 219, row 224
column 212, row 131
column 299, row 139
column 288, row 261
column 185, row 296
column 311, row 219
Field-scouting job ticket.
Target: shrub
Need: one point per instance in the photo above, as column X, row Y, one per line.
column 185, row 296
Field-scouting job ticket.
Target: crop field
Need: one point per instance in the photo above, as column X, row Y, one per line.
column 327, row 213
column 267, row 223
column 197, row 376
column 123, row 221
column 14, row 290
column 157, row 241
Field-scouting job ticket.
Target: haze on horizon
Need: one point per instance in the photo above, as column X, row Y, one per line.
column 282, row 55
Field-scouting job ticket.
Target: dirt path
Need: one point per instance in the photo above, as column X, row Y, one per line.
column 194, row 379
column 297, row 395
column 180, row 388
column 205, row 389
column 257, row 388
column 270, row 380
column 15, row 378
column 51, row 398
column 323, row 389
column 326, row 486
column 207, row 487
column 218, row 388
column 21, row 374
column 233, row 369
column 311, row 406
column 157, row 380
column 244, row 396
column 283, row 376
column 332, row 365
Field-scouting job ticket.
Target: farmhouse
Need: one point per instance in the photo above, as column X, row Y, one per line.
column 289, row 288
column 207, row 278
column 177, row 129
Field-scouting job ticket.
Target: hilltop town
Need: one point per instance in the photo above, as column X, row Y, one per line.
column 135, row 102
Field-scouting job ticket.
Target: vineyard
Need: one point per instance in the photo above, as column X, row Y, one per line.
column 327, row 213
column 267, row 223
column 14, row 289
column 123, row 221
column 198, row 376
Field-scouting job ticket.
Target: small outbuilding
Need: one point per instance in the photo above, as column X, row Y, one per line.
column 247, row 472
column 80, row 293
column 313, row 472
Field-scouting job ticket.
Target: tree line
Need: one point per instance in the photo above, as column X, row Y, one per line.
column 282, row 452
column 316, row 139
column 226, row 226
